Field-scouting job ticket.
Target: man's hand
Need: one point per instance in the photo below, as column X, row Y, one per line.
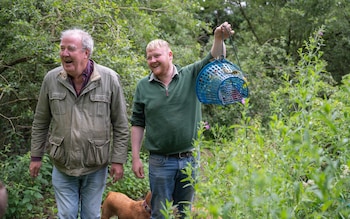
column 34, row 168
column 137, row 168
column 116, row 171
column 224, row 31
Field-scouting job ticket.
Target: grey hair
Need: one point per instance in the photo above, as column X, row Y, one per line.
column 86, row 39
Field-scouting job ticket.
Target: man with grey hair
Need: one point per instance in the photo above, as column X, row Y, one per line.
column 80, row 104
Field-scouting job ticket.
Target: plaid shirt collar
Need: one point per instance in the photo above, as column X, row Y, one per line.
column 86, row 75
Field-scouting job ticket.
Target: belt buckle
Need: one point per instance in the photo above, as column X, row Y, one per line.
column 180, row 157
column 185, row 154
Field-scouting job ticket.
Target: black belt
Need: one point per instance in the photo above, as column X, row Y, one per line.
column 180, row 155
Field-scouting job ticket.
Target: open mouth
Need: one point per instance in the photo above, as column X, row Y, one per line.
column 67, row 60
column 154, row 66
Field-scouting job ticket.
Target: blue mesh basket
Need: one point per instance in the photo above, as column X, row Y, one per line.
column 221, row 82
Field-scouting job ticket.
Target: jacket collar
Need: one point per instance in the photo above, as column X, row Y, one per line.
column 95, row 75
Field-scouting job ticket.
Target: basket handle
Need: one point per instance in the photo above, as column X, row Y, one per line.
column 233, row 46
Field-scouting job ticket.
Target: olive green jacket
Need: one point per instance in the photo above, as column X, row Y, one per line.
column 86, row 131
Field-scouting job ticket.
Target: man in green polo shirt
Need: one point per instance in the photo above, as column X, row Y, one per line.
column 167, row 113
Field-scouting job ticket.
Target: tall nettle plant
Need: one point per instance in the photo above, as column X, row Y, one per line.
column 299, row 167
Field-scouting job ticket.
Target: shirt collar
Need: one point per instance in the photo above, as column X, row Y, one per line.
column 87, row 71
column 86, row 74
column 154, row 78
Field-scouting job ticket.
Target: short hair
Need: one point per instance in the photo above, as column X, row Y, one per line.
column 157, row 43
column 86, row 39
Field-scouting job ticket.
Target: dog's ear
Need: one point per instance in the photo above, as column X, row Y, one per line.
column 148, row 197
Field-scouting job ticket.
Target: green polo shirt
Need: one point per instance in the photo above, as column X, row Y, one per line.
column 170, row 115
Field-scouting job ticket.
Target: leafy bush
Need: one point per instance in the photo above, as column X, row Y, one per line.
column 27, row 197
column 34, row 198
column 297, row 167
column 130, row 185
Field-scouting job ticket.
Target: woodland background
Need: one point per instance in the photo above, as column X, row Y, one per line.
column 283, row 154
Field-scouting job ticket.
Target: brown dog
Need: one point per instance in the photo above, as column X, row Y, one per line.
column 119, row 204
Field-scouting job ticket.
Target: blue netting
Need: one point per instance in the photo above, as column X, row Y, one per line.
column 221, row 82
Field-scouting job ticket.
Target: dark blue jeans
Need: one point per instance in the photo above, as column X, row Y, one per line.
column 167, row 183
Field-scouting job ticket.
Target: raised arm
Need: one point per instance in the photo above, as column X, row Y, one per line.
column 221, row 33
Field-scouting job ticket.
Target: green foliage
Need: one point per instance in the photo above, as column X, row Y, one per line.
column 262, row 21
column 286, row 156
column 168, row 210
column 30, row 46
column 28, row 198
column 130, row 185
column 337, row 39
column 298, row 167
column 34, row 198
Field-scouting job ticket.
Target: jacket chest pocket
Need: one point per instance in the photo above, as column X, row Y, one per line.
column 100, row 105
column 58, row 103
